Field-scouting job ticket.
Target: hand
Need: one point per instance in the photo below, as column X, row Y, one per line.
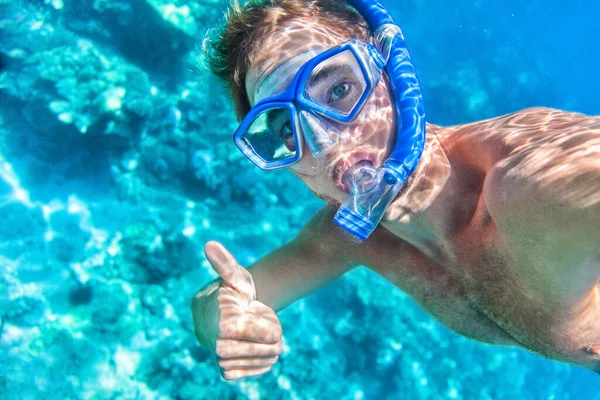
column 244, row 333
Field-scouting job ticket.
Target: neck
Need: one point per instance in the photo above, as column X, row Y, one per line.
column 437, row 198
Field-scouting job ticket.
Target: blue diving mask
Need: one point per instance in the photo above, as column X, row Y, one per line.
column 334, row 86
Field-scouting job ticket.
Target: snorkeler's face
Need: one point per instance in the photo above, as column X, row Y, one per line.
column 369, row 137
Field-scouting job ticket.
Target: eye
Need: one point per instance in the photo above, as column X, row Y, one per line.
column 339, row 91
column 287, row 136
column 286, row 130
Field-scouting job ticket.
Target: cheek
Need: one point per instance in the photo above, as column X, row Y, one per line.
column 308, row 165
column 379, row 106
column 375, row 122
column 322, row 187
column 379, row 109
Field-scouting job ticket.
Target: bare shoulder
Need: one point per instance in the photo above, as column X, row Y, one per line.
column 529, row 123
column 553, row 135
column 539, row 162
column 537, row 132
column 544, row 197
column 551, row 165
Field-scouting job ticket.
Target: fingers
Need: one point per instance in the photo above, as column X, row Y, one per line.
column 205, row 315
column 246, row 335
column 251, row 330
column 244, row 373
column 241, row 359
column 256, row 324
column 247, row 363
column 233, row 349
column 230, row 271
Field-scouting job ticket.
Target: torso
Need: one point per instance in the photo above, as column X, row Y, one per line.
column 472, row 280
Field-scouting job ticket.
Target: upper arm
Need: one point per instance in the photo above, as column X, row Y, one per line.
column 545, row 198
column 316, row 257
column 553, row 181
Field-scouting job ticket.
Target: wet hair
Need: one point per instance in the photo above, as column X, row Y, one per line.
column 229, row 49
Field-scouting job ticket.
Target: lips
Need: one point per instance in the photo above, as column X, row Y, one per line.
column 345, row 163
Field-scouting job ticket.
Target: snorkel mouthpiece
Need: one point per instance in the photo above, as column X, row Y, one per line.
column 361, row 177
column 372, row 190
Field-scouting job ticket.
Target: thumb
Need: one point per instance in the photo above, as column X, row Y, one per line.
column 232, row 273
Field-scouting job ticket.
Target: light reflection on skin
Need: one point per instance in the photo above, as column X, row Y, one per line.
column 542, row 150
column 369, row 137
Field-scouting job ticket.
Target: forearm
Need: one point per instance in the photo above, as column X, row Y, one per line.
column 295, row 271
column 545, row 198
column 316, row 257
column 319, row 255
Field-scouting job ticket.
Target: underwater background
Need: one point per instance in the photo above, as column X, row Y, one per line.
column 117, row 165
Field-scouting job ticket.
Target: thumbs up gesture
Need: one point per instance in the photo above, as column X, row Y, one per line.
column 244, row 334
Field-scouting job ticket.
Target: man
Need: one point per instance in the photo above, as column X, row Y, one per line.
column 496, row 233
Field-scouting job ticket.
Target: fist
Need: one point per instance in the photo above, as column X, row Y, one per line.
column 244, row 334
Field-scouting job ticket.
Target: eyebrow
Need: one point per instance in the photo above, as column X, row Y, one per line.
column 324, row 72
column 294, row 63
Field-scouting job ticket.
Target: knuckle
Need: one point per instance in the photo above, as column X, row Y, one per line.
column 221, row 349
column 222, row 296
column 224, row 328
column 226, row 366
column 274, row 335
column 228, row 376
column 271, row 312
column 227, row 328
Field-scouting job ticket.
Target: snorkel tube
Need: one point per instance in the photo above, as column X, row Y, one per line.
column 372, row 190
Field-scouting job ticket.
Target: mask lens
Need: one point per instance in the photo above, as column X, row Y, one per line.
column 271, row 135
column 337, row 83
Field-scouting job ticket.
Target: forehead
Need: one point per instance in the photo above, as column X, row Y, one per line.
column 289, row 45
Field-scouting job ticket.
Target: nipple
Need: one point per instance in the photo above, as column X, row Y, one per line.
column 593, row 349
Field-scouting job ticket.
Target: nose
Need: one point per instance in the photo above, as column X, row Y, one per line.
column 308, row 164
column 319, row 135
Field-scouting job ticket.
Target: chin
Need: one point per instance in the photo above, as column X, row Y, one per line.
column 334, row 197
column 331, row 201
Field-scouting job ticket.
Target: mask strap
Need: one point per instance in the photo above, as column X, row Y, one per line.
column 384, row 37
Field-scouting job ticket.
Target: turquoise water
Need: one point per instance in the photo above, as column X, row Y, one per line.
column 117, row 165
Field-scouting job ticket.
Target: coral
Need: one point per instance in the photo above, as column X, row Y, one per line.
column 117, row 165
column 23, row 311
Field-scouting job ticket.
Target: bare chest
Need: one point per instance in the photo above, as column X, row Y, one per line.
column 506, row 285
column 436, row 281
column 477, row 287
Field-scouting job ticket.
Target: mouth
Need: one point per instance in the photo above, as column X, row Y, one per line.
column 345, row 163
